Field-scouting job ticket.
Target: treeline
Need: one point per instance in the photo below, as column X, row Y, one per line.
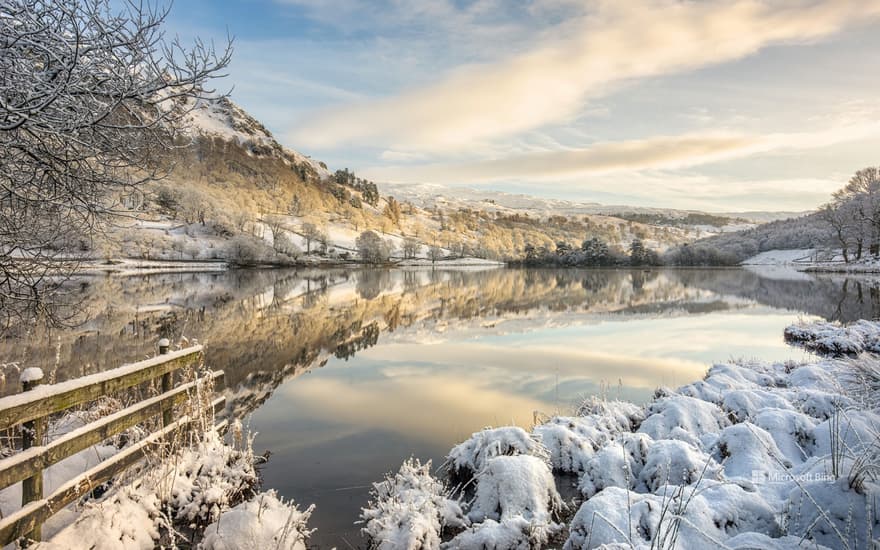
column 592, row 252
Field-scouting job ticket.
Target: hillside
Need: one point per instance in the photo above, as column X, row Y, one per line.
column 800, row 233
column 236, row 194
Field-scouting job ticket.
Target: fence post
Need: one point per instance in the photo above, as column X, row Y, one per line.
column 168, row 413
column 31, row 435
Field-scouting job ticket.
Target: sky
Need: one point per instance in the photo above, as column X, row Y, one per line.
column 700, row 104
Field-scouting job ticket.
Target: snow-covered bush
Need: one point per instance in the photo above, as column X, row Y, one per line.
column 617, row 464
column 699, row 517
column 509, row 534
column 791, row 431
column 684, row 418
column 746, row 404
column 672, row 462
column 129, row 519
column 835, row 515
column 264, row 521
column 468, row 458
column 777, row 456
column 569, row 451
column 746, row 451
column 518, row 486
column 181, row 490
column 612, row 415
column 409, row 510
column 205, row 479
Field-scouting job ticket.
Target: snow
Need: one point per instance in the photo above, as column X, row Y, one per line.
column 684, row 418
column 673, row 462
column 509, row 534
column 454, row 262
column 617, row 464
column 783, row 257
column 569, row 450
column 835, row 339
column 409, row 510
column 42, row 392
column 511, row 486
column 185, row 489
column 747, row 451
column 755, row 455
column 474, row 454
column 516, row 488
column 264, row 521
column 31, row 374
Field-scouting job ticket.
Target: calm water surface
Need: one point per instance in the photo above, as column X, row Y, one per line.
column 343, row 374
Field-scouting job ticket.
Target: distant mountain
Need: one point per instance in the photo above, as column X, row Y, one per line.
column 432, row 195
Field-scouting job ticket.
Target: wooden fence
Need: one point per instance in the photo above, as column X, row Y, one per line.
column 31, row 410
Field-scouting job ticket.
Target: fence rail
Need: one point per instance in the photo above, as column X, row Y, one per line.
column 31, row 410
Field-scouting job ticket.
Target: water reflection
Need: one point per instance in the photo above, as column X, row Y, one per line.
column 413, row 361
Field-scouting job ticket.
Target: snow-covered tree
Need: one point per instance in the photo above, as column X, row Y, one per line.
column 91, row 95
column 371, row 248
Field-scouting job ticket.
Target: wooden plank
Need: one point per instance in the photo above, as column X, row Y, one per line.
column 45, row 400
column 22, row 465
column 36, row 513
column 32, row 436
column 168, row 412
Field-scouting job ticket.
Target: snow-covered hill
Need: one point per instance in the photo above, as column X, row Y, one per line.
column 224, row 119
column 432, row 195
column 236, row 190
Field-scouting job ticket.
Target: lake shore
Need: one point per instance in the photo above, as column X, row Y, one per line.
column 754, row 455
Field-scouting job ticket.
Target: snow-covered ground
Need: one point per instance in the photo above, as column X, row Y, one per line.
column 452, row 262
column 754, row 455
column 810, row 260
column 202, row 491
column 783, row 257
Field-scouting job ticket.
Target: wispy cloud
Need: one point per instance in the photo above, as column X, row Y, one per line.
column 656, row 153
column 599, row 48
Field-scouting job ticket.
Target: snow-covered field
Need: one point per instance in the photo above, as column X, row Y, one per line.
column 783, row 257
column 753, row 456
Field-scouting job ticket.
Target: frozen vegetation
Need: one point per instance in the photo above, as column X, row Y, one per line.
column 754, row 455
column 202, row 488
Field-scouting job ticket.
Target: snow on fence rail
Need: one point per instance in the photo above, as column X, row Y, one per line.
column 31, row 409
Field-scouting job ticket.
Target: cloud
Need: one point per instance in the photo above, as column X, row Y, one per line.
column 656, row 153
column 600, row 49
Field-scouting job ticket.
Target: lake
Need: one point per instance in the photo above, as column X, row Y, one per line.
column 345, row 373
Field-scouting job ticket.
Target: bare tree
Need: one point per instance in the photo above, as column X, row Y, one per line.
column 411, row 247
column 435, row 253
column 91, row 100
column 310, row 233
column 275, row 224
